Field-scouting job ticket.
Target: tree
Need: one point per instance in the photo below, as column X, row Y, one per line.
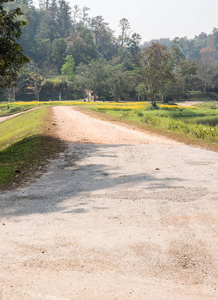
column 44, row 52
column 81, row 80
column 18, row 84
column 68, row 68
column 11, row 53
column 131, row 60
column 125, row 27
column 95, row 78
column 81, row 46
column 59, row 47
column 76, row 14
column 34, row 84
column 157, row 65
column 120, row 84
column 186, row 74
column 96, row 24
column 207, row 68
column 64, row 17
column 141, row 90
column 85, row 16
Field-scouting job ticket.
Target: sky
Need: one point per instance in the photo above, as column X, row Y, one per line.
column 154, row 19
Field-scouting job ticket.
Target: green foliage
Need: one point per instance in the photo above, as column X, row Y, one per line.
column 7, row 109
column 180, row 120
column 68, row 68
column 94, row 78
column 209, row 105
column 165, row 70
column 53, row 86
column 59, row 47
column 157, row 65
column 204, row 132
column 11, row 54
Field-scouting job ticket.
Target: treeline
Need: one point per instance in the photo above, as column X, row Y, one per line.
column 72, row 53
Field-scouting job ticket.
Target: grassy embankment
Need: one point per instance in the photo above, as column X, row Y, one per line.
column 190, row 124
column 7, row 108
column 25, row 147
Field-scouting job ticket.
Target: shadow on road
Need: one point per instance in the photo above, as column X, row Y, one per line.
column 81, row 174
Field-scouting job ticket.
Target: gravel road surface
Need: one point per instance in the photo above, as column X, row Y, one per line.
column 120, row 215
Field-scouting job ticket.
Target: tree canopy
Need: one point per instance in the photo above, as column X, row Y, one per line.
column 123, row 67
column 11, row 54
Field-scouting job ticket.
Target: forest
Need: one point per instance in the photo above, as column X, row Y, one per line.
column 75, row 56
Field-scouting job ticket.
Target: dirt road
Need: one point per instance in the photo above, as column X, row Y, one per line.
column 120, row 215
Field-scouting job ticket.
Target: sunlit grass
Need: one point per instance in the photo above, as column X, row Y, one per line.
column 21, row 127
column 24, row 147
column 180, row 119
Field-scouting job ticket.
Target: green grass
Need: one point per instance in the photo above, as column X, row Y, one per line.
column 198, row 123
column 21, row 127
column 7, row 109
column 24, row 148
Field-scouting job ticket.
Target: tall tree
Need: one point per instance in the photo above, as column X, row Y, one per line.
column 85, row 16
column 125, row 27
column 59, row 47
column 133, row 50
column 76, row 14
column 11, row 53
column 64, row 17
column 157, row 67
column 208, row 68
column 96, row 24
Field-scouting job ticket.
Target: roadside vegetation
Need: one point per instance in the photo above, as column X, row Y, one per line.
column 198, row 122
column 28, row 141
column 10, row 108
column 7, row 108
column 25, row 147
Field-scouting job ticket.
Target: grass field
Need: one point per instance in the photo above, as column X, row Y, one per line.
column 198, row 122
column 25, row 148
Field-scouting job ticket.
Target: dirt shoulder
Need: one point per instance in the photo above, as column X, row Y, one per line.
column 119, row 215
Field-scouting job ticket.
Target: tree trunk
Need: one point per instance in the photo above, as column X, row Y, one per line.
column 153, row 100
column 14, row 90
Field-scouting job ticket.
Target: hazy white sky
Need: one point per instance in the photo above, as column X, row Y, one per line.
column 154, row 19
